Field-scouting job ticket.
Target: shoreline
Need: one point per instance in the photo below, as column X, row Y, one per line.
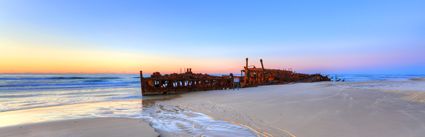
column 315, row 109
column 350, row 109
column 86, row 127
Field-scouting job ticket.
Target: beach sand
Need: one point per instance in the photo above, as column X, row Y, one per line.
column 373, row 109
column 325, row 109
column 93, row 127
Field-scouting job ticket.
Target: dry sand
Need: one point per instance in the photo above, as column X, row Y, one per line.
column 318, row 109
column 94, row 127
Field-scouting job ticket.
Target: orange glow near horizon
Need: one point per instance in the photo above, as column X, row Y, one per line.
column 48, row 59
column 45, row 57
column 55, row 60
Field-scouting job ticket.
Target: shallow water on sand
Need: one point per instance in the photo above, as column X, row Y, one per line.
column 174, row 121
column 26, row 99
column 166, row 120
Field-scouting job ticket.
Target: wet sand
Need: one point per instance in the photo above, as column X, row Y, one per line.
column 93, row 127
column 378, row 109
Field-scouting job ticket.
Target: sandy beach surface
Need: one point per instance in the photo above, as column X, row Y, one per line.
column 372, row 109
column 325, row 109
column 91, row 127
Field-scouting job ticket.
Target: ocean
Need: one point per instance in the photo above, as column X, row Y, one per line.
column 29, row 91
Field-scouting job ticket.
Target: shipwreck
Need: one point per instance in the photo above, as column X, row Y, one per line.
column 251, row 76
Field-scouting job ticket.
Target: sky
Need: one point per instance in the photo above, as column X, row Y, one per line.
column 212, row 36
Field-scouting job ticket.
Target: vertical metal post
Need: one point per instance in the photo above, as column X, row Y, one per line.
column 263, row 77
column 246, row 77
column 262, row 66
column 246, row 62
column 141, row 83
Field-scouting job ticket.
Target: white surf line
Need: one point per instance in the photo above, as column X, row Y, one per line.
column 265, row 134
column 258, row 133
column 287, row 132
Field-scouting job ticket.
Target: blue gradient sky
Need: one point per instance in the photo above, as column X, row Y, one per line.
column 122, row 36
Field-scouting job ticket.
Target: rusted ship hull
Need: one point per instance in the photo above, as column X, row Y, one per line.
column 253, row 76
column 159, row 84
column 174, row 83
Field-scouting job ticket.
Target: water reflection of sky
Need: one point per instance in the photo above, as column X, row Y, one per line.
column 168, row 120
column 26, row 91
column 129, row 109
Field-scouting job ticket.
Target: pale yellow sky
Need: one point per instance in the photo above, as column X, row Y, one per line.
column 21, row 57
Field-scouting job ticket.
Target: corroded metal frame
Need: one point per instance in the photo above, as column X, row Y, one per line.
column 251, row 76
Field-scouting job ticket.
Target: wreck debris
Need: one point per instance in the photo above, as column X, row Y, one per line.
column 251, row 76
column 184, row 82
